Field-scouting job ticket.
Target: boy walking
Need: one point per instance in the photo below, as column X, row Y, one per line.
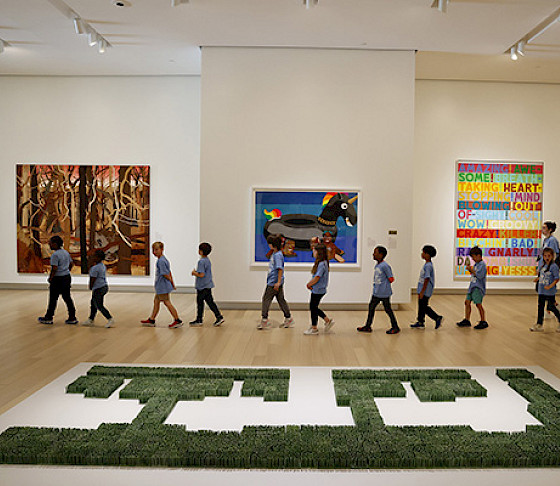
column 59, row 282
column 425, row 290
column 382, row 280
column 275, row 284
column 477, row 289
column 99, row 288
column 164, row 285
column 204, row 285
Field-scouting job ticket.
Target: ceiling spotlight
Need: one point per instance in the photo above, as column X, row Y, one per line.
column 176, row 3
column 520, row 48
column 441, row 5
column 101, row 46
column 92, row 39
column 79, row 25
column 513, row 54
column 309, row 3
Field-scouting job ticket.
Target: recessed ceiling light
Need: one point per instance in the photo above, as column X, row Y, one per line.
column 121, row 3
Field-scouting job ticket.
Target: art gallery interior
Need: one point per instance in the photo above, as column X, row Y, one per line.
column 220, row 97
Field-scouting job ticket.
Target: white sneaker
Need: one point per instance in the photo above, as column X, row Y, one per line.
column 329, row 325
column 88, row 322
column 537, row 328
column 289, row 322
column 110, row 322
column 312, row 331
column 264, row 324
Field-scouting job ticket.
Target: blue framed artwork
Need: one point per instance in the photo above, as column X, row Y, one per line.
column 303, row 217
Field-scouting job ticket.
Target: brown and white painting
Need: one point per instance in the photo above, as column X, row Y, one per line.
column 90, row 207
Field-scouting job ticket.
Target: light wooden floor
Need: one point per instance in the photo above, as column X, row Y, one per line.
column 32, row 355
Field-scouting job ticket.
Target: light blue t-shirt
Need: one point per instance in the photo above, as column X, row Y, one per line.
column 381, row 284
column 61, row 259
column 478, row 279
column 204, row 266
column 427, row 272
column 276, row 263
column 323, row 273
column 99, row 272
column 162, row 285
column 546, row 277
column 552, row 243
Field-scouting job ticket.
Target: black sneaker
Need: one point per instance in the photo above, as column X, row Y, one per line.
column 219, row 321
column 393, row 330
column 73, row 322
column 195, row 323
column 418, row 325
column 464, row 323
column 439, row 321
column 44, row 320
column 363, row 329
column 481, row 325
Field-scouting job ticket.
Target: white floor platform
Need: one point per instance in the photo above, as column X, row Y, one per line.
column 311, row 401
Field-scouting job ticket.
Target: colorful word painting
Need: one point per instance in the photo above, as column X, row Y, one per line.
column 91, row 207
column 499, row 209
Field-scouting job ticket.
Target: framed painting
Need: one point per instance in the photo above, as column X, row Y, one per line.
column 303, row 217
column 90, row 207
column 498, row 207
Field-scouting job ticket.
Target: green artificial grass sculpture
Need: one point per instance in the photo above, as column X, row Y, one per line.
column 148, row 442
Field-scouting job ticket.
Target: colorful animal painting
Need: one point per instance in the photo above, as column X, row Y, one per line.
column 299, row 216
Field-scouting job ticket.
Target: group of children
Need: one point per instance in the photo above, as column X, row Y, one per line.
column 61, row 263
column 60, row 281
column 164, row 285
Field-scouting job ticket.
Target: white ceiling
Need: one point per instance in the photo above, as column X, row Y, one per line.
column 150, row 37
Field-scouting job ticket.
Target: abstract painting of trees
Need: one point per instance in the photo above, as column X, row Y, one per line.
column 90, row 207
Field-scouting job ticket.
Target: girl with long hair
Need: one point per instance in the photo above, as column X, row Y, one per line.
column 318, row 286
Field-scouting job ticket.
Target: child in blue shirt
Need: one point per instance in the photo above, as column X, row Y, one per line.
column 318, row 286
column 550, row 240
column 382, row 280
column 164, row 285
column 477, row 289
column 59, row 282
column 549, row 274
column 204, row 285
column 275, row 284
column 99, row 288
column 425, row 290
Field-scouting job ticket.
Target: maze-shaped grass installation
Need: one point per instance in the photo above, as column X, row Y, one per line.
column 147, row 441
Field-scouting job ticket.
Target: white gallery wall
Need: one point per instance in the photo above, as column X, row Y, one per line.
column 311, row 119
column 280, row 122
column 485, row 121
column 151, row 121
